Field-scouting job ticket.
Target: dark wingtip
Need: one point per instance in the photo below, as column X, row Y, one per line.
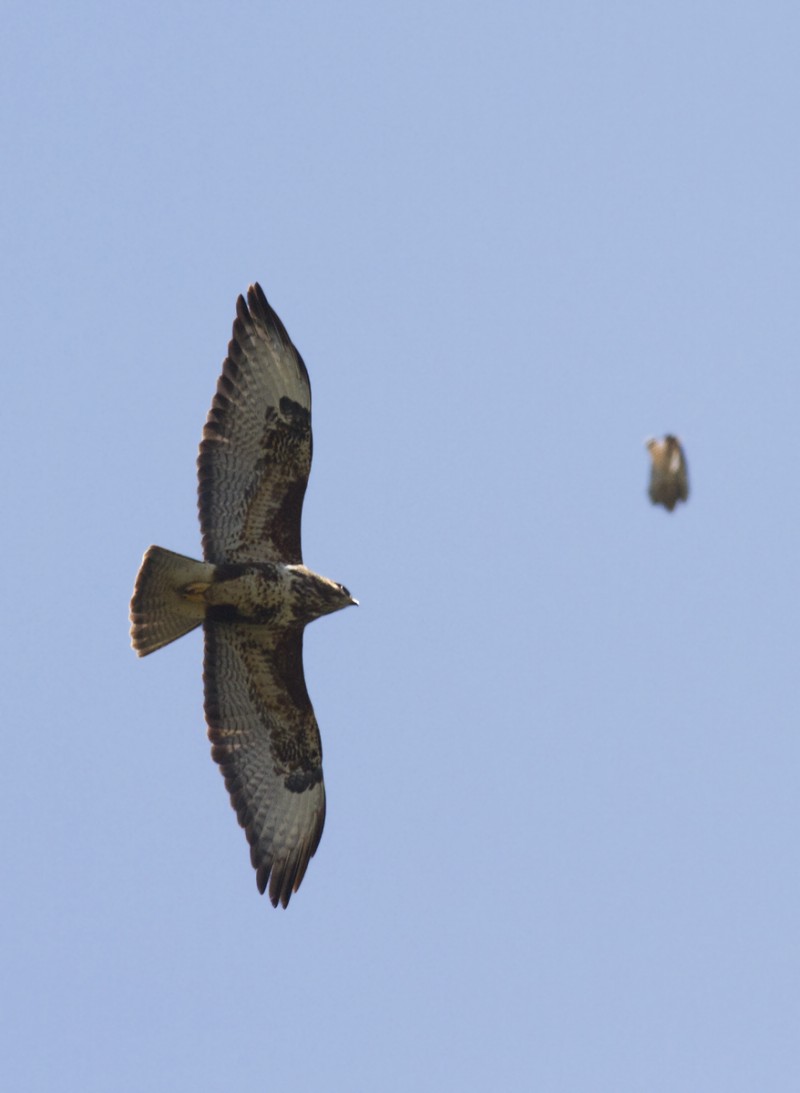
column 279, row 891
column 257, row 298
column 261, row 311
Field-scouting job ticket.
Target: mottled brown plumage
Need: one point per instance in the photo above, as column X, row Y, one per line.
column 669, row 481
column 255, row 455
column 254, row 597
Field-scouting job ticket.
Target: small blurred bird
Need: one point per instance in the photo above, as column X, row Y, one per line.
column 669, row 482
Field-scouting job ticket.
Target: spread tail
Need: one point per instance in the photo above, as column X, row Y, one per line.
column 167, row 599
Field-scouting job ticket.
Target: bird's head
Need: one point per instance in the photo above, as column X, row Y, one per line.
column 317, row 595
column 341, row 597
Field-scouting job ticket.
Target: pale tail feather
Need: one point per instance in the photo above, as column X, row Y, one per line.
column 160, row 609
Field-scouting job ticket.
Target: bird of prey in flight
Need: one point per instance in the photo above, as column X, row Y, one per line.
column 253, row 596
column 669, row 482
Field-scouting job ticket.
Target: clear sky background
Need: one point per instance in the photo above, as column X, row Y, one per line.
column 512, row 241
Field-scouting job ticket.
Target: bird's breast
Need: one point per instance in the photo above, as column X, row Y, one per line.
column 252, row 592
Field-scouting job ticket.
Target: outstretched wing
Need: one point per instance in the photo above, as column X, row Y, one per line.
column 255, row 455
column 265, row 738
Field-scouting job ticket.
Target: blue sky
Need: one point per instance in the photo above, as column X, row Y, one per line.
column 511, row 242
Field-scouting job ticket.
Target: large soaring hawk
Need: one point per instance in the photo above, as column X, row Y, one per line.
column 669, row 480
column 253, row 596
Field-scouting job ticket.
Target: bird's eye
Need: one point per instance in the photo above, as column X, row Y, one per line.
column 346, row 591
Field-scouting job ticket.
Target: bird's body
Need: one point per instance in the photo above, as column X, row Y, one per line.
column 669, row 479
column 254, row 596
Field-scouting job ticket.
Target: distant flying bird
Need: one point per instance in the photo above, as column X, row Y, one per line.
column 253, row 596
column 669, row 482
